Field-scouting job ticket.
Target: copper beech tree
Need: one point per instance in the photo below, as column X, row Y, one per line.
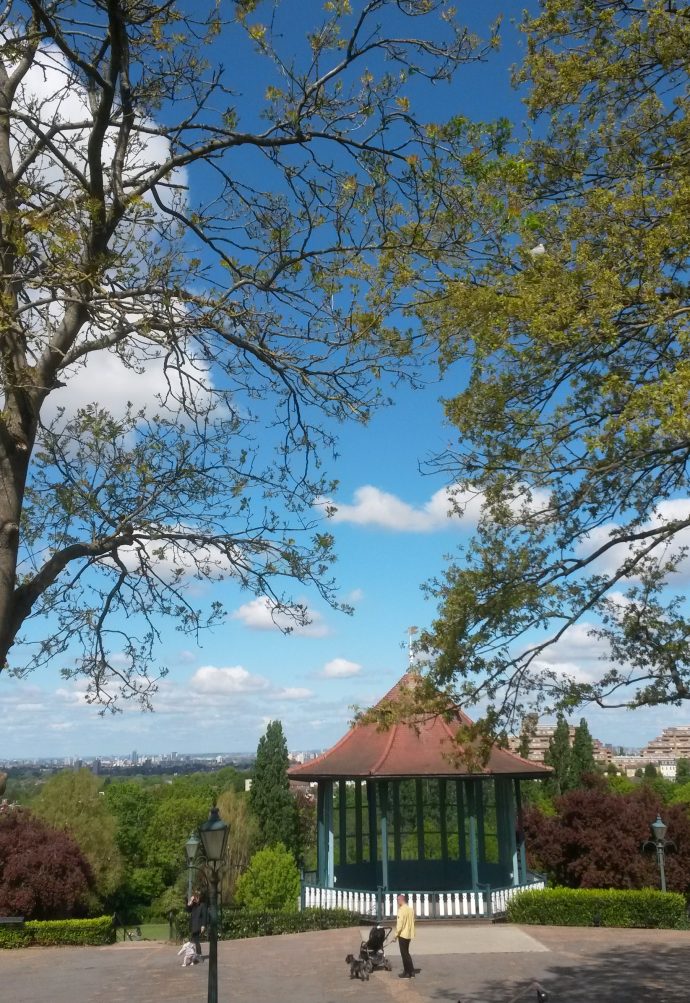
column 213, row 234
column 43, row 873
column 595, row 840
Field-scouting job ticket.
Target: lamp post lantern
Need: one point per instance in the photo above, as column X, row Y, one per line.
column 659, row 843
column 214, row 838
column 659, row 832
column 191, row 849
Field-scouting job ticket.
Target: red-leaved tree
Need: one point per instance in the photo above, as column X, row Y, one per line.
column 43, row 873
column 595, row 840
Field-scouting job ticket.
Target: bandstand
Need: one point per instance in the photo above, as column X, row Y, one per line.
column 400, row 811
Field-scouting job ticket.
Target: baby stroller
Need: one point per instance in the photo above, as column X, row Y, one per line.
column 372, row 949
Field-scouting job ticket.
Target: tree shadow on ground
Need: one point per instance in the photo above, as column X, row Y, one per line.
column 615, row 974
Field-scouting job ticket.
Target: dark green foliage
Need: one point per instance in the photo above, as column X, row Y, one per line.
column 682, row 770
column 581, row 755
column 558, row 756
column 650, row 771
column 43, row 873
column 661, row 788
column 589, row 907
column 535, row 794
column 133, row 807
column 240, row 923
column 94, row 932
column 529, row 723
column 270, row 798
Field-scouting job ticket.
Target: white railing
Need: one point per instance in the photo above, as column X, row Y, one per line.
column 481, row 904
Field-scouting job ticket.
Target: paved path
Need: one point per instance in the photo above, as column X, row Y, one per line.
column 473, row 964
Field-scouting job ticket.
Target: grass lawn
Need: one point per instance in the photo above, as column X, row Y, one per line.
column 149, row 931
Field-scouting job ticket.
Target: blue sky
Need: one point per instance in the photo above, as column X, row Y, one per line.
column 392, row 533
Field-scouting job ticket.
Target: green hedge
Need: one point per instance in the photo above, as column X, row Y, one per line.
column 239, row 923
column 50, row 933
column 593, row 907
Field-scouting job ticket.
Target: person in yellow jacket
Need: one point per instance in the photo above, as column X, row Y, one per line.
column 404, row 933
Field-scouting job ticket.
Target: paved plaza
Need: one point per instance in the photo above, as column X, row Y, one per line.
column 473, row 964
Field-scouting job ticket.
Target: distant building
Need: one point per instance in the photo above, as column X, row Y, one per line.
column 540, row 736
column 673, row 743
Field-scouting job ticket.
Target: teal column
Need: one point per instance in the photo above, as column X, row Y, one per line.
column 328, row 832
column 520, row 833
column 479, row 811
column 383, row 791
column 323, row 790
column 324, row 833
column 470, row 788
column 505, row 819
column 371, row 806
column 397, row 827
column 342, row 821
column 460, row 812
column 359, row 853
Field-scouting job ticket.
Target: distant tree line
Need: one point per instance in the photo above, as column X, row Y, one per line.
column 119, row 845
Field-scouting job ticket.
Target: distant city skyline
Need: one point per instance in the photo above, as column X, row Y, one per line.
column 171, row 755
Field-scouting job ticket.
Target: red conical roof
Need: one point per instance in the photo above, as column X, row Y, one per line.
column 424, row 749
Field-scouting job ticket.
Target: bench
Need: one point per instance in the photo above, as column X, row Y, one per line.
column 12, row 920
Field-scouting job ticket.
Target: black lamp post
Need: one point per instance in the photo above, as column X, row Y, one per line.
column 214, row 838
column 659, row 843
column 191, row 849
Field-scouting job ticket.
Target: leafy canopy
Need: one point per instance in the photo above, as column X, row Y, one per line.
column 573, row 426
column 71, row 801
column 190, row 301
column 271, row 883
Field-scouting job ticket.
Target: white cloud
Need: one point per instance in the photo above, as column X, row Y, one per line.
column 373, row 507
column 210, row 680
column 293, row 693
column 577, row 655
column 340, row 668
column 261, row 614
column 676, row 509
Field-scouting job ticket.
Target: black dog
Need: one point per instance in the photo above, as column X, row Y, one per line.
column 359, row 967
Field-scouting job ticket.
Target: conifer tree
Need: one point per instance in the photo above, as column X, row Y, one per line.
column 270, row 798
column 581, row 755
column 529, row 724
column 559, row 757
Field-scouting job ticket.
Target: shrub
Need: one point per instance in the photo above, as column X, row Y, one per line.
column 271, row 882
column 43, row 873
column 94, row 932
column 595, row 840
column 240, row 923
column 594, row 907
